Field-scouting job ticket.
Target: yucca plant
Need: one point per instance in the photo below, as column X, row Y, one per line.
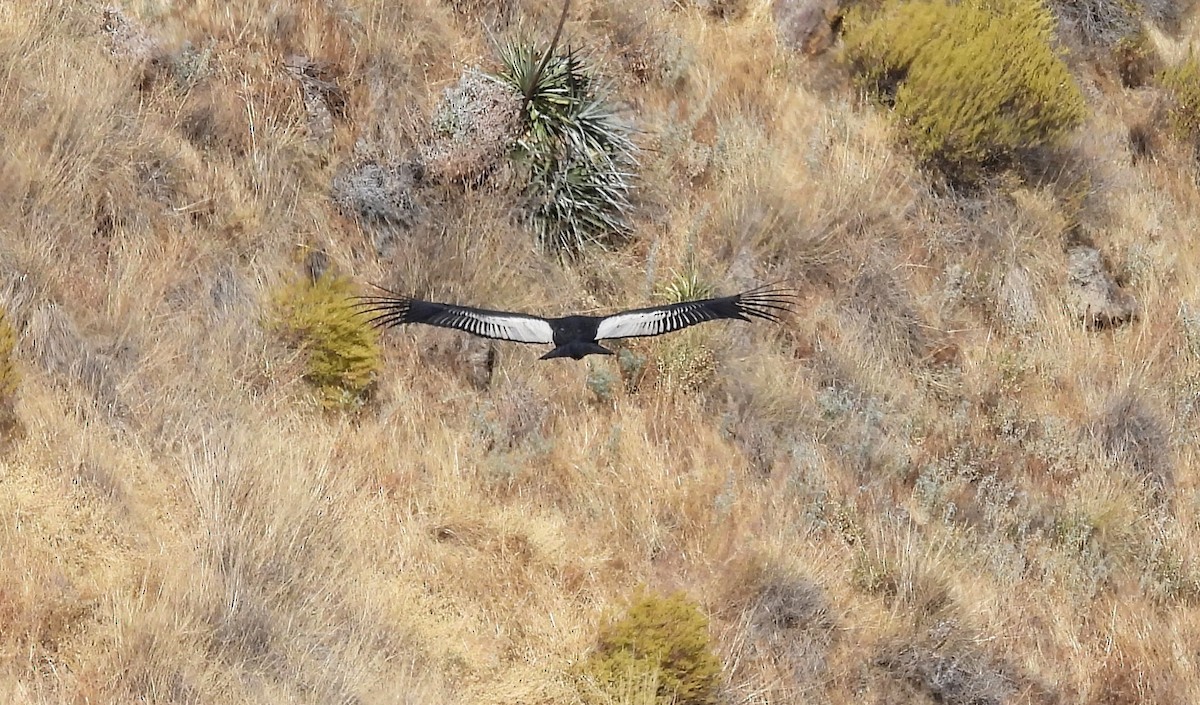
column 687, row 285
column 577, row 152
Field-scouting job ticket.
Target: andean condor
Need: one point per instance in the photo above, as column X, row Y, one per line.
column 577, row 336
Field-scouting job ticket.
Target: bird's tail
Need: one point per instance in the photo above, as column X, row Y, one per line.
column 577, row 350
column 765, row 302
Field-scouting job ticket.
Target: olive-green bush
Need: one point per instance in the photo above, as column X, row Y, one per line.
column 972, row 84
column 1182, row 82
column 341, row 347
column 9, row 378
column 661, row 642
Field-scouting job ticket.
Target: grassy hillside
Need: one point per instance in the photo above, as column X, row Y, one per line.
column 938, row 481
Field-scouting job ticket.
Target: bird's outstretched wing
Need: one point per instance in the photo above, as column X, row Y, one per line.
column 765, row 302
column 396, row 309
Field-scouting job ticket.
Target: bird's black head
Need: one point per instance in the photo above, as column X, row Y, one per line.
column 577, row 350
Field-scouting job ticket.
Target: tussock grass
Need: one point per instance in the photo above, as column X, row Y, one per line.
column 930, row 484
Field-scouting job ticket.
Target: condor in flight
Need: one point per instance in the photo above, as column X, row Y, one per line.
column 577, row 336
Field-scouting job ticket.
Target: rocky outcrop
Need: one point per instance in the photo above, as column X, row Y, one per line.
column 806, row 26
column 1092, row 293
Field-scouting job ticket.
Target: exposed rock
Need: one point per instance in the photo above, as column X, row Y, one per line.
column 1092, row 294
column 1018, row 305
column 806, row 26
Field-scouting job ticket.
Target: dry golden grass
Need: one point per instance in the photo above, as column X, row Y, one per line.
column 900, row 495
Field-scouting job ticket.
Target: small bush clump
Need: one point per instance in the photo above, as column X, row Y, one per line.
column 633, row 367
column 602, row 383
column 1136, row 59
column 341, row 348
column 9, row 378
column 1100, row 23
column 685, row 364
column 1135, row 439
column 576, row 152
column 1182, row 82
column 663, row 641
column 972, row 84
column 472, row 128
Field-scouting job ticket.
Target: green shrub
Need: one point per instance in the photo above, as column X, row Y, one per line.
column 1182, row 82
column 341, row 348
column 660, row 640
column 576, row 152
column 972, row 84
column 9, row 378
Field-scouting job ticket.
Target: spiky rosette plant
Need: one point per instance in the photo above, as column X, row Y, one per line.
column 577, row 153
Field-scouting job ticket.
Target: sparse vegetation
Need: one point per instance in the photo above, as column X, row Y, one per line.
column 972, row 84
column 939, row 481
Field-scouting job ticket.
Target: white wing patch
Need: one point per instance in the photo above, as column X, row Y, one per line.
column 519, row 329
column 629, row 325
